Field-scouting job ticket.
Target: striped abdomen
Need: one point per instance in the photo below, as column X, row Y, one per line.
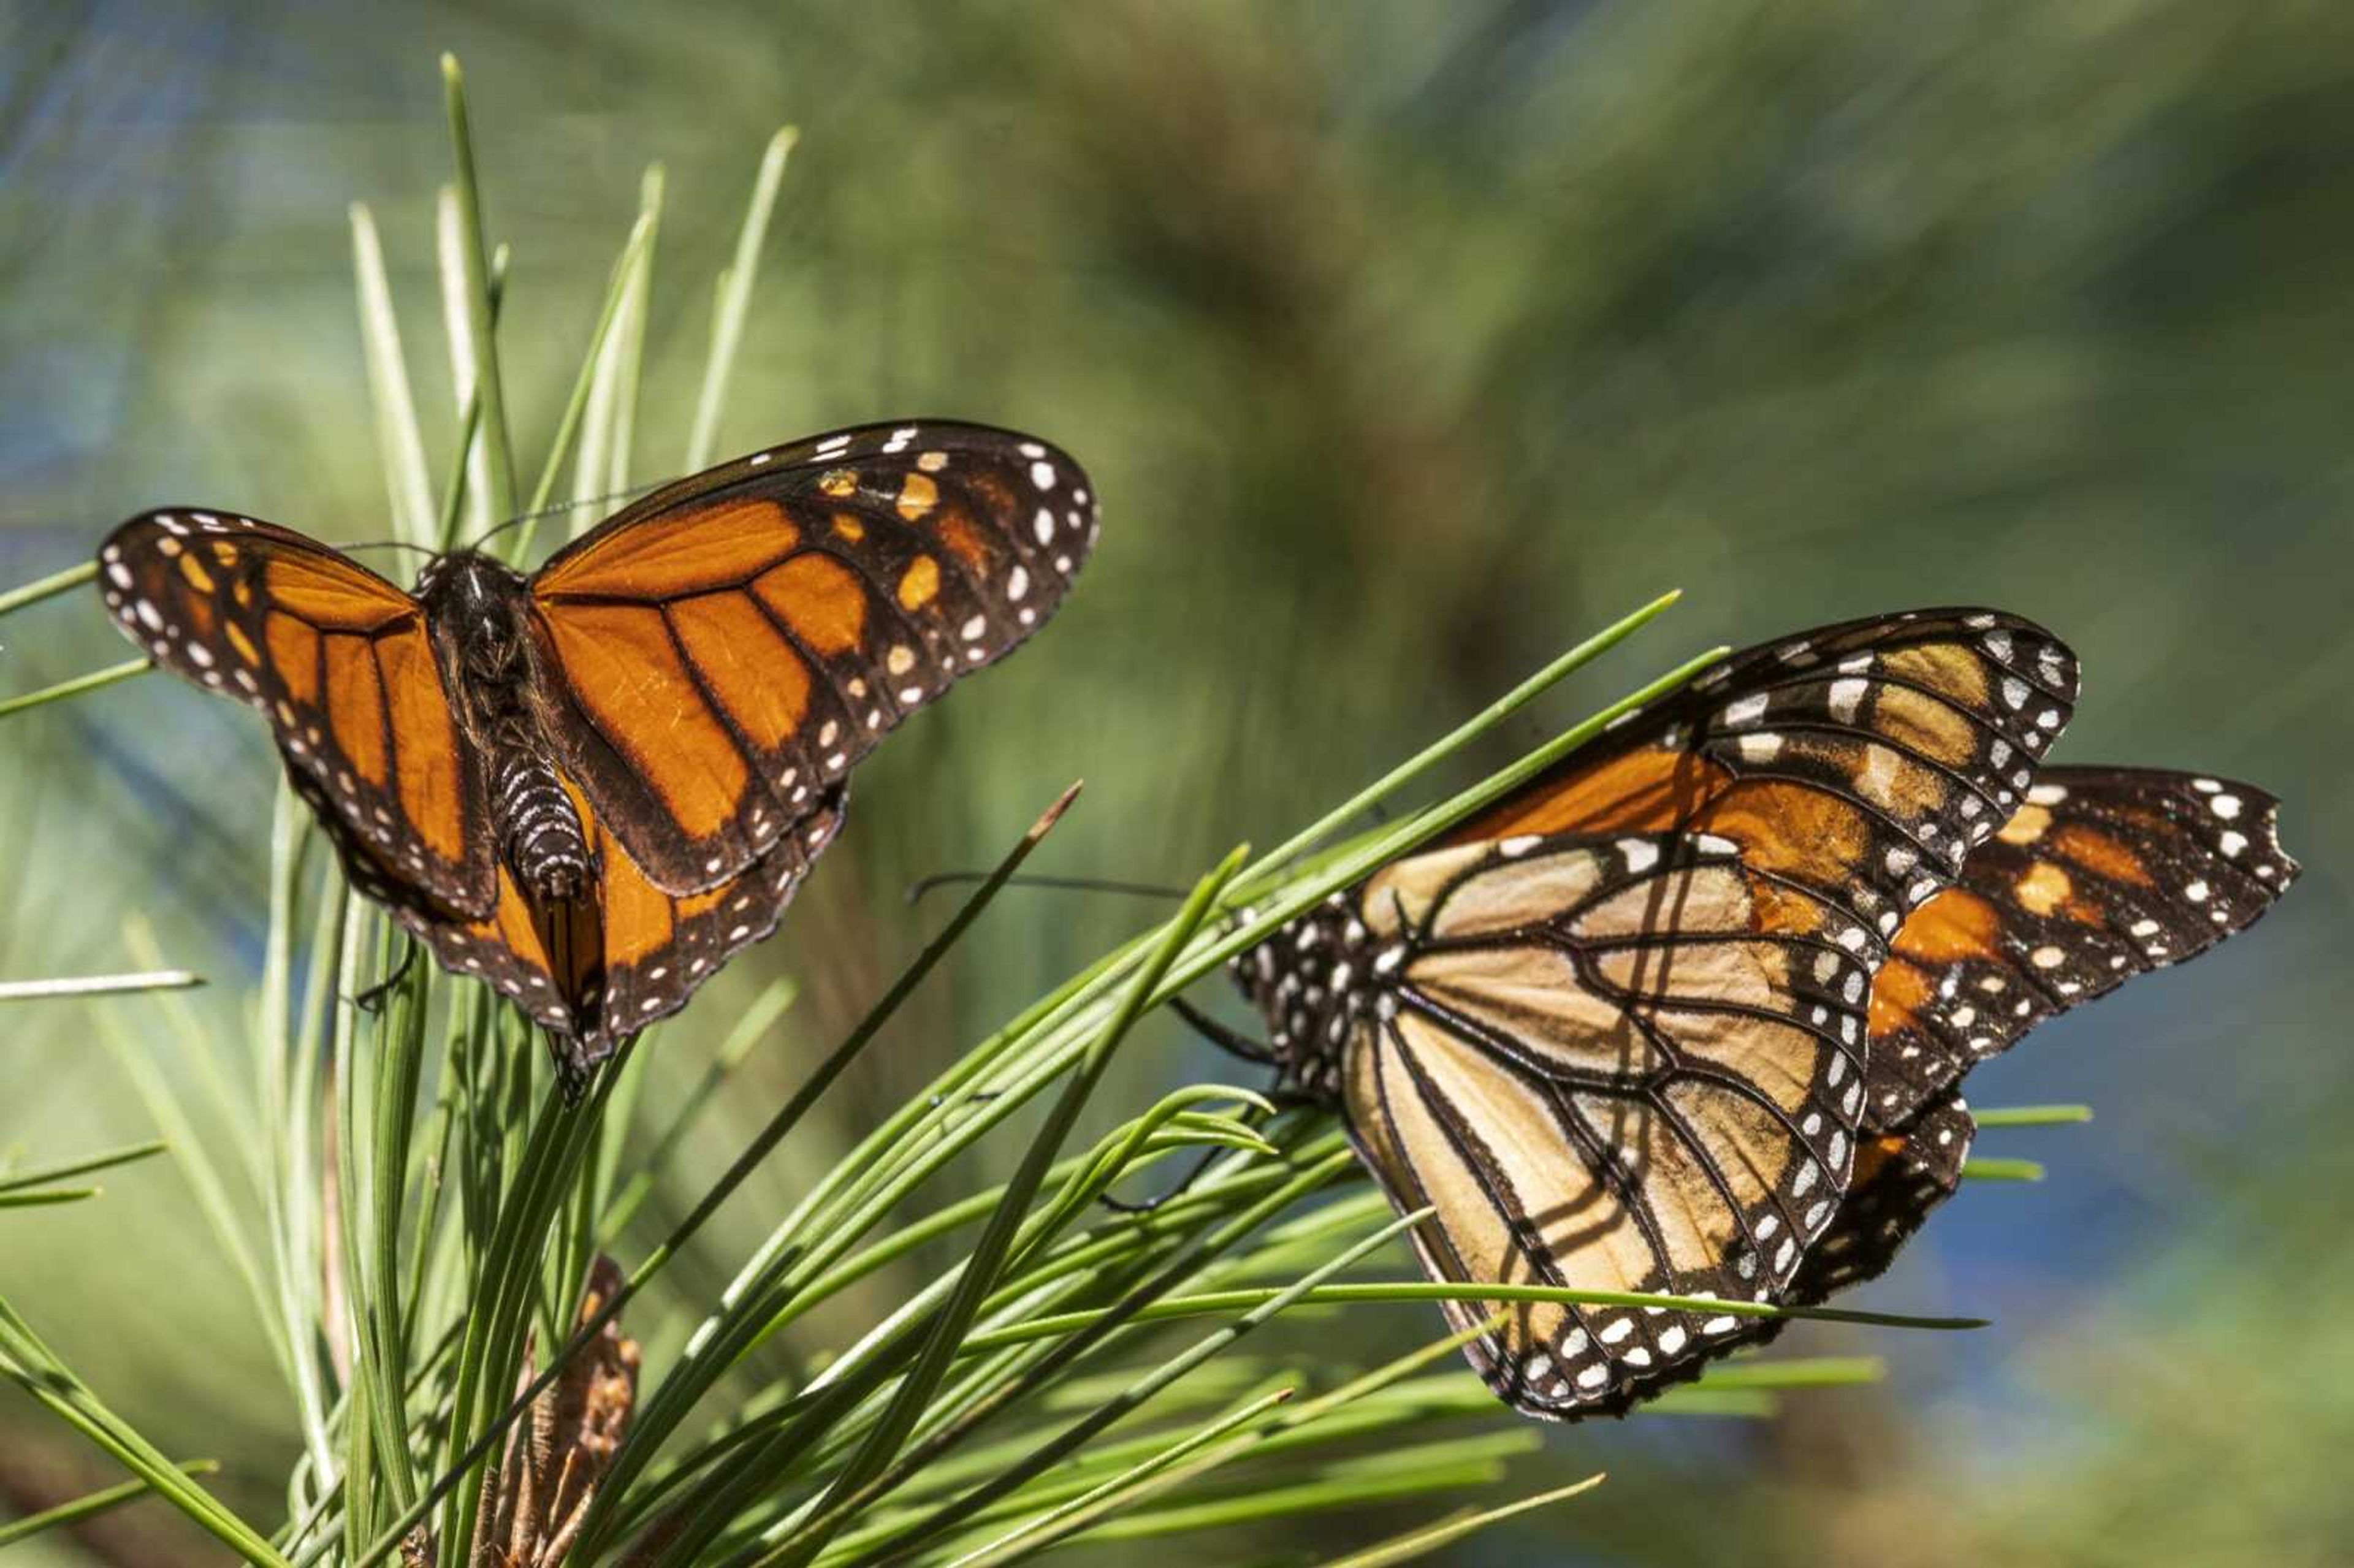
column 540, row 833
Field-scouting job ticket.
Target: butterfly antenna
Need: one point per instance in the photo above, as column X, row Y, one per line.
column 915, row 891
column 563, row 507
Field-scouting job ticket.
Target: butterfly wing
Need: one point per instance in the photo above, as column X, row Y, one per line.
column 595, row 972
column 1605, row 1073
column 1861, row 762
column 2102, row 874
column 1900, row 1177
column 730, row 645
column 340, row 663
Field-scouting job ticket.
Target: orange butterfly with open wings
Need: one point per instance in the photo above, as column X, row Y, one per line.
column 591, row 786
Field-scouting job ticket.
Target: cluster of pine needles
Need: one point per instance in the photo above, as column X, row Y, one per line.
column 427, row 1245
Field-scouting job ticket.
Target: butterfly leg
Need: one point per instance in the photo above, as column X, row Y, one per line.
column 371, row 1000
column 1186, row 1183
column 1147, row 1205
column 1218, row 1034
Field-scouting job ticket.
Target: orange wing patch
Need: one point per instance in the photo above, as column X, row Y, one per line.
column 1647, row 790
column 917, row 495
column 2099, row 854
column 356, row 705
column 921, row 584
column 333, row 595
column 967, row 543
column 433, row 790
column 628, row 673
column 755, row 674
column 1957, row 924
column 638, row 915
column 293, row 655
column 692, row 551
column 822, row 600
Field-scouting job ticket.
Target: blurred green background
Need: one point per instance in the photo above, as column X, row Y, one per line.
column 1406, row 343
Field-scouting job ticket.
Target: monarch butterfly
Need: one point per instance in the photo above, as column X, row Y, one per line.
column 1684, row 1013
column 593, row 786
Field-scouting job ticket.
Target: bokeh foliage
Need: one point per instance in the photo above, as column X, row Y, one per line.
column 1405, row 342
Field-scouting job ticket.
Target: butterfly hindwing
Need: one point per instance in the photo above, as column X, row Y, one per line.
column 1900, row 1178
column 597, row 971
column 2101, row 874
column 340, row 663
column 728, row 647
column 659, row 947
column 1605, row 1074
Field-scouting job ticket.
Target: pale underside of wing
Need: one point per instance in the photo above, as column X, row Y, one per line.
column 340, row 663
column 728, row 649
column 1605, row 1073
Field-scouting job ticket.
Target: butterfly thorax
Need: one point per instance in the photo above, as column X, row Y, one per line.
column 479, row 611
column 1316, row 981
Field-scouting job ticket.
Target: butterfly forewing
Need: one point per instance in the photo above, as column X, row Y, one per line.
column 732, row 645
column 1860, row 762
column 2103, row 873
column 341, row 663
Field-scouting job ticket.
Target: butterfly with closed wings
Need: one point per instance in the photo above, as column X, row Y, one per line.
column 1685, row 1014
column 591, row 786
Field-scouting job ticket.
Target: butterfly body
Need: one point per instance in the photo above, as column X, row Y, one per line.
column 477, row 611
column 590, row 785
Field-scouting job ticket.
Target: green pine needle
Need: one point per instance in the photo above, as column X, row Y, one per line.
column 84, row 1509
column 2001, row 1170
column 49, row 587
column 2031, row 1116
column 96, row 680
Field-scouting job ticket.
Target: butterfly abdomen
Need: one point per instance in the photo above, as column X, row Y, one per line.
column 539, row 831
